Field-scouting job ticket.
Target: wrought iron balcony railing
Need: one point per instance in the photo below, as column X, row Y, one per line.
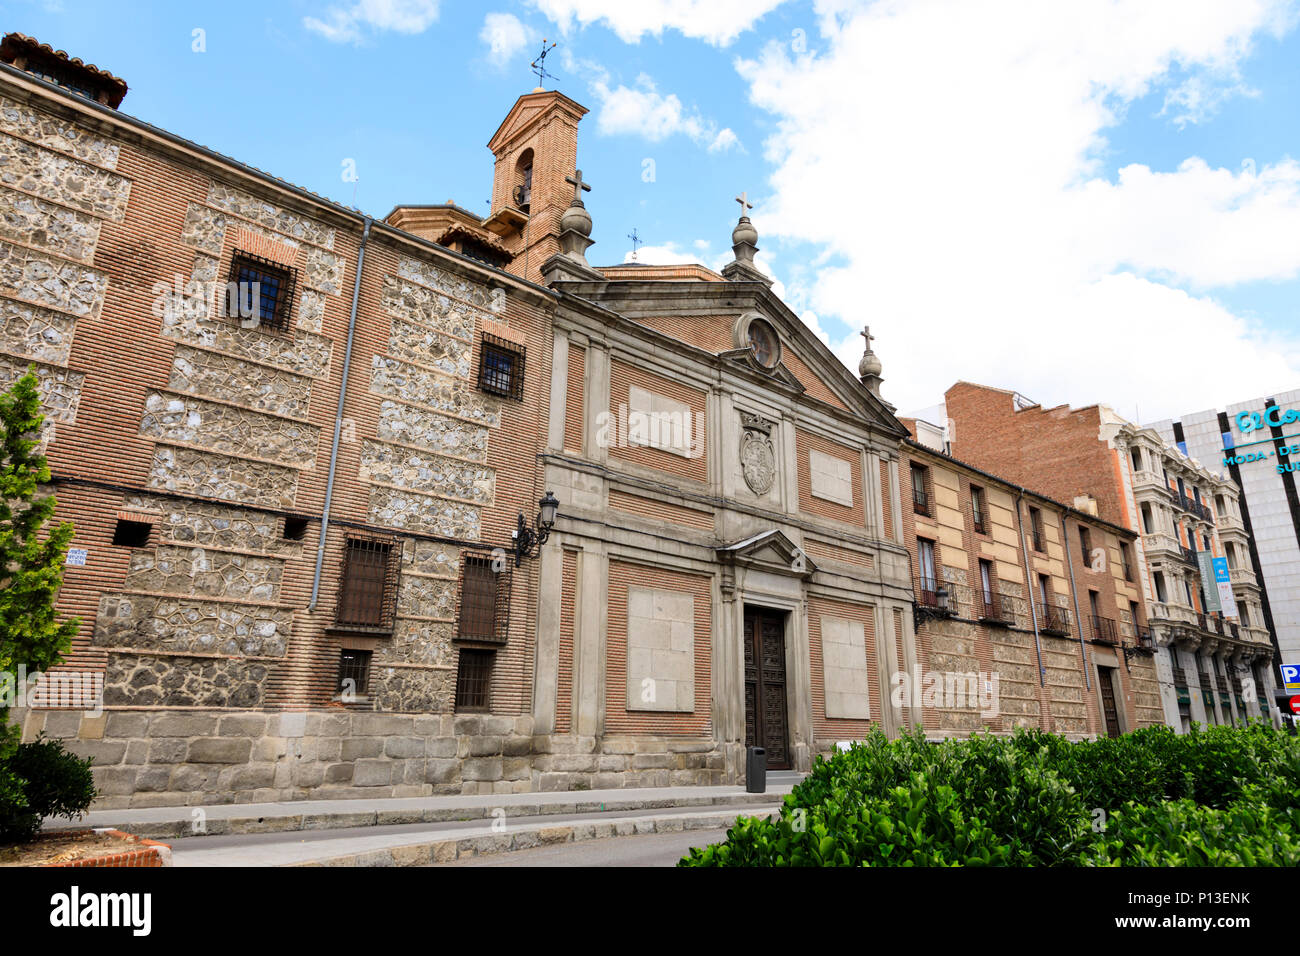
column 1105, row 631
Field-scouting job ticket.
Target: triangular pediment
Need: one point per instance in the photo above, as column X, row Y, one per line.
column 770, row 551
column 528, row 109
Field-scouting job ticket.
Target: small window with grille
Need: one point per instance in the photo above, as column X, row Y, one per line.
column 368, row 588
column 259, row 293
column 474, row 678
column 484, row 599
column 501, row 367
column 354, row 673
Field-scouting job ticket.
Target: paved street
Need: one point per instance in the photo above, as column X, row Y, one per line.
column 655, row 849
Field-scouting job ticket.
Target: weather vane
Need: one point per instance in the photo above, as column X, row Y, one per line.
column 539, row 65
column 636, row 241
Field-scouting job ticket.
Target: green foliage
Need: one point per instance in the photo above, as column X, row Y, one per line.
column 31, row 564
column 31, row 572
column 52, row 782
column 1215, row 797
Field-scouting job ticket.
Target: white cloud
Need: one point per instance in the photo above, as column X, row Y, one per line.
column 948, row 154
column 352, row 23
column 666, row 255
column 505, row 36
column 643, row 111
column 716, row 21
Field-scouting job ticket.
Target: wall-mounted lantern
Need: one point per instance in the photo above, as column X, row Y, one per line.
column 529, row 541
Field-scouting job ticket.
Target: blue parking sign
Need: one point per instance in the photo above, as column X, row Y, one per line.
column 1291, row 676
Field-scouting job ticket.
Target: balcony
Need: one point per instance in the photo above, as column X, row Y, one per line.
column 1160, row 541
column 1105, row 631
column 1244, row 577
column 1230, row 522
column 1144, row 480
column 934, row 598
column 1053, row 620
column 1189, row 555
column 981, row 523
column 994, row 608
column 1180, row 676
column 921, row 503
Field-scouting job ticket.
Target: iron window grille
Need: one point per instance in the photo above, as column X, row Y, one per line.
column 368, row 584
column 501, row 367
column 274, row 286
column 474, row 678
column 354, row 672
column 484, row 612
column 977, row 509
column 1036, row 528
column 921, row 494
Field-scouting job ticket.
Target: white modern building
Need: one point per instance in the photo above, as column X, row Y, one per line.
column 1257, row 443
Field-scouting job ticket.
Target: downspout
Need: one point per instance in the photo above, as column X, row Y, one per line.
column 1029, row 585
column 1074, row 596
column 338, row 419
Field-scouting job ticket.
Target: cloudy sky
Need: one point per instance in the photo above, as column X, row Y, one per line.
column 1083, row 201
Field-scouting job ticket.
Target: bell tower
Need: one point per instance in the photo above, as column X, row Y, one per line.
column 536, row 151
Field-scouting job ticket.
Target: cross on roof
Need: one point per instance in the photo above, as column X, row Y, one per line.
column 579, row 187
column 636, row 241
column 866, row 334
column 538, row 65
column 745, row 204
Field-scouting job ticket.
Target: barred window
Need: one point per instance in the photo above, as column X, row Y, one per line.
column 260, row 292
column 474, row 678
column 977, row 508
column 368, row 587
column 354, row 672
column 484, row 599
column 501, row 367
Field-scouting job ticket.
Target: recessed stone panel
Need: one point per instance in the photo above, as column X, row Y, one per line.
column 61, row 179
column 660, row 650
column 844, row 668
column 831, row 477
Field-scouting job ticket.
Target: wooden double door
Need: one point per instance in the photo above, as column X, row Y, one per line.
column 766, row 714
column 1109, row 710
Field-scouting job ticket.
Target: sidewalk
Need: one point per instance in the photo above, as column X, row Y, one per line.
column 194, row 824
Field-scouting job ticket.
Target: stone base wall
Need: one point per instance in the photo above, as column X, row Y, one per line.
column 160, row 758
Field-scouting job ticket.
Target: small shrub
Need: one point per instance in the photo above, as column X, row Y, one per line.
column 41, row 779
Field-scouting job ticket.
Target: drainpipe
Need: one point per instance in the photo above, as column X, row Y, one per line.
column 338, row 419
column 1074, row 596
column 1029, row 585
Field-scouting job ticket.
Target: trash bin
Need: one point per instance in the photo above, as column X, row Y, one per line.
column 756, row 770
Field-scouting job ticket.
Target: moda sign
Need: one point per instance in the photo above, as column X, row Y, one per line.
column 1249, row 423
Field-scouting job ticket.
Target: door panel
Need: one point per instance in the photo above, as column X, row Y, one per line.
column 1106, row 685
column 766, row 714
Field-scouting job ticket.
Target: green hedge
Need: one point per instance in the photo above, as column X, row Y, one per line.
column 1214, row 797
column 41, row 779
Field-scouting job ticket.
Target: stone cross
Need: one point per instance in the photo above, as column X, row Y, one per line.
column 745, row 204
column 579, row 187
column 866, row 334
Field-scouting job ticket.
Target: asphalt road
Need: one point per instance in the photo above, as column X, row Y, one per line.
column 654, row 849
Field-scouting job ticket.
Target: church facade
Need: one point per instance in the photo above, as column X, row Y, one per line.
column 432, row 504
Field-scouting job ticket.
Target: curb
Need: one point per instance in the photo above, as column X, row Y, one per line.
column 289, row 822
column 447, row 851
column 148, row 853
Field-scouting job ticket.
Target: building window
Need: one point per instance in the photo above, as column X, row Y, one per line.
column 1036, row 528
column 1244, row 609
column 921, row 490
column 1161, row 594
column 354, row 673
column 295, row 528
column 368, row 586
column 474, row 678
column 928, row 566
column 1148, row 525
column 501, row 367
column 131, row 534
column 977, row 509
column 1230, row 552
column 1085, row 545
column 987, row 593
column 484, row 599
column 1137, row 459
column 260, row 293
column 1127, row 559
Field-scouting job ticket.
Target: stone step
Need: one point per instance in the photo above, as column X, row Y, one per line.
column 168, row 823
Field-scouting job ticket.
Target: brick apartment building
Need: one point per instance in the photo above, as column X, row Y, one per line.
column 1213, row 657
column 1039, row 599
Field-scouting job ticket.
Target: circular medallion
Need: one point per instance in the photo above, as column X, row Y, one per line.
column 763, row 343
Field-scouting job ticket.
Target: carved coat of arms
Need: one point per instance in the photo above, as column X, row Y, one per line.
column 757, row 455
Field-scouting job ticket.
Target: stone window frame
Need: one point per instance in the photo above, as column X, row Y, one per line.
column 493, row 347
column 282, row 315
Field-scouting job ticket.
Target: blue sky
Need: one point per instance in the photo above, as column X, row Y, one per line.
column 1082, row 202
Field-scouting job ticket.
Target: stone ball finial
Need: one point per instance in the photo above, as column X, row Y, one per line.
column 744, row 232
column 870, row 365
column 576, row 218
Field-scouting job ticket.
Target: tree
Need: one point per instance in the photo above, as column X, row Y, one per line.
column 31, row 564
